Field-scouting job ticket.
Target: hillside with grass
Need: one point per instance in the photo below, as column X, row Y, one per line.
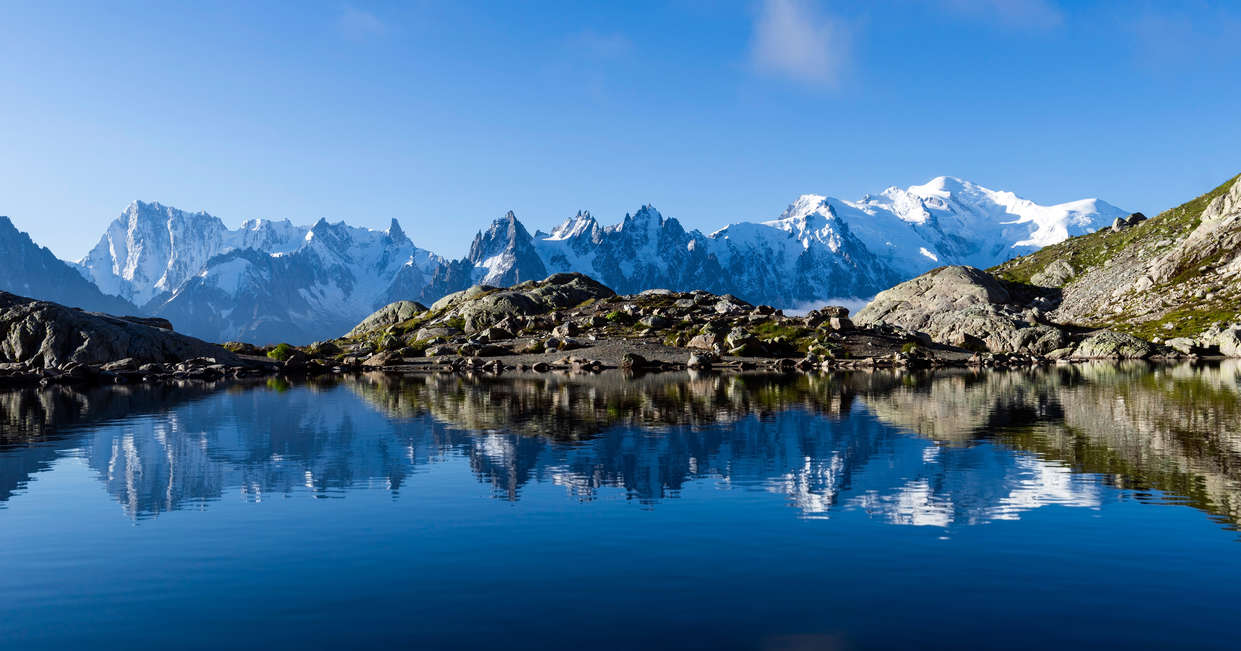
column 1177, row 274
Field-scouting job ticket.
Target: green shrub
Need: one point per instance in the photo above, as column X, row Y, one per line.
column 909, row 347
column 281, row 352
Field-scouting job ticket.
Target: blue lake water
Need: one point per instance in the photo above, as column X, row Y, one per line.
column 1082, row 507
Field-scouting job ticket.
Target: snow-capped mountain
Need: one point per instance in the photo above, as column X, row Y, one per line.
column 273, row 281
column 265, row 281
column 820, row 247
column 151, row 249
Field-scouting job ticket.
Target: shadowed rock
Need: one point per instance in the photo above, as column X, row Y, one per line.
column 48, row 335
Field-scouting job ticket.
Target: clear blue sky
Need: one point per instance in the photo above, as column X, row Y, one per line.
column 446, row 114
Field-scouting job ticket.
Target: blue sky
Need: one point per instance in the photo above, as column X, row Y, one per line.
column 446, row 114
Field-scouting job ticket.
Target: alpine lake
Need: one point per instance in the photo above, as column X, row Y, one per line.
column 1080, row 506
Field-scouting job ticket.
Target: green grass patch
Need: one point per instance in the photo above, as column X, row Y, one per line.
column 771, row 330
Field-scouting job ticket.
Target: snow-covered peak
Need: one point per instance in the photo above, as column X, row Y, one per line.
column 810, row 212
column 581, row 224
column 646, row 219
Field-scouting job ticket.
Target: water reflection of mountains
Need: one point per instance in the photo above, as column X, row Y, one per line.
column 988, row 445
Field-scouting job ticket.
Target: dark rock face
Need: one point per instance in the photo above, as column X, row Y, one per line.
column 27, row 269
column 47, row 335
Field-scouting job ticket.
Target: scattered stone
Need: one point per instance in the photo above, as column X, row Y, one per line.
column 701, row 360
column 633, row 360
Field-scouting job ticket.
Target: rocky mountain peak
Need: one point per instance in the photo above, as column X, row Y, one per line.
column 396, row 233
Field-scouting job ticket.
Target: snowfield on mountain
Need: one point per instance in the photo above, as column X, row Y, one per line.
column 273, row 280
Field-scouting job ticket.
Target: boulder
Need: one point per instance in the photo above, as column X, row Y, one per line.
column 840, row 324
column 633, row 360
column 655, row 321
column 1229, row 342
column 440, row 350
column 703, row 341
column 815, row 317
column 494, row 334
column 701, row 360
column 382, row 359
column 390, row 314
column 567, row 329
column 1183, row 345
column 1109, row 344
column 429, row 333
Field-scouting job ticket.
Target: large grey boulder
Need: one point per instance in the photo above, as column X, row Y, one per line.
column 1109, row 344
column 1229, row 342
column 48, row 335
column 481, row 306
column 390, row 314
column 963, row 304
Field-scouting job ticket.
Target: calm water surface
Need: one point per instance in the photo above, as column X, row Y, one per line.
column 1077, row 507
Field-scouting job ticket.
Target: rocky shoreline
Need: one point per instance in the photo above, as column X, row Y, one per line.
column 951, row 317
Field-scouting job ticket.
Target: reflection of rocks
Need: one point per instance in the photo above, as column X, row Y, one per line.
column 567, row 407
column 827, row 442
column 1174, row 429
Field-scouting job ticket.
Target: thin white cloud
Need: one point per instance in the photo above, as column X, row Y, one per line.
column 360, row 24
column 1161, row 34
column 1039, row 14
column 796, row 40
column 604, row 46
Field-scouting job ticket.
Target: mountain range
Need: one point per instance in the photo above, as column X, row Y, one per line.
column 269, row 281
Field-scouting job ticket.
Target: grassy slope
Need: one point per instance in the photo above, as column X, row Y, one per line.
column 1086, row 252
column 1156, row 235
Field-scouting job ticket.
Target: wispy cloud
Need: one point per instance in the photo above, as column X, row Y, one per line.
column 1038, row 14
column 359, row 24
column 1161, row 35
column 604, row 46
column 797, row 40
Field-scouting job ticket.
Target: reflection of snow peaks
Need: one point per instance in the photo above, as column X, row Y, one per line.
column 1041, row 484
column 1002, row 443
column 813, row 488
column 913, row 503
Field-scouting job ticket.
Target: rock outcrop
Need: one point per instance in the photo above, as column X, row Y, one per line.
column 38, row 334
column 482, row 306
column 967, row 308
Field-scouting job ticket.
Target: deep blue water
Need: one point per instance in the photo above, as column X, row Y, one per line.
column 1087, row 507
